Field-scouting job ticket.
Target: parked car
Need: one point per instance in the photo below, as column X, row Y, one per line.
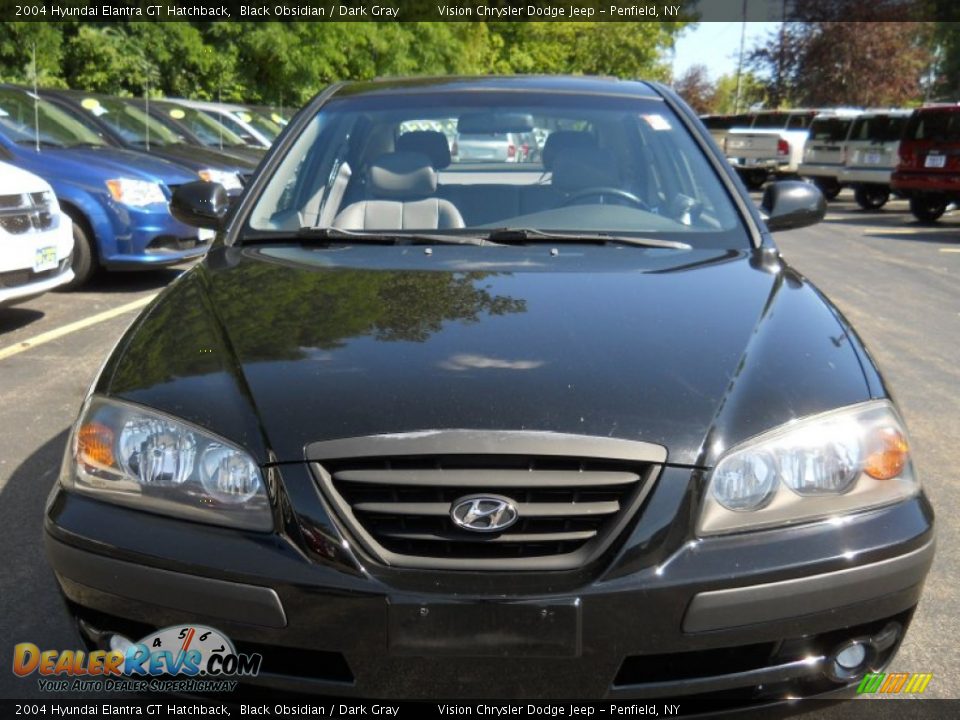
column 36, row 239
column 928, row 172
column 123, row 124
column 772, row 144
column 117, row 199
column 452, row 434
column 720, row 125
column 279, row 115
column 254, row 130
column 489, row 147
column 825, row 150
column 200, row 129
column 872, row 155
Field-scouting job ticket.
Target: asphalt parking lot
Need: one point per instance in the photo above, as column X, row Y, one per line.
column 895, row 280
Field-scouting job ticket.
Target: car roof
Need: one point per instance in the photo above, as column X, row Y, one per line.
column 580, row 85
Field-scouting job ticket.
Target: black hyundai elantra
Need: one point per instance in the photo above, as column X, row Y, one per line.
column 556, row 422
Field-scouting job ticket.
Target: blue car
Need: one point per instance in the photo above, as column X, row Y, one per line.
column 116, row 198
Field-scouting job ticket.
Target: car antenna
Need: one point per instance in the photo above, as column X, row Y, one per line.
column 220, row 100
column 36, row 102
column 146, row 106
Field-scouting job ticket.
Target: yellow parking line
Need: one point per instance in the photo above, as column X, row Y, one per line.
column 908, row 230
column 952, row 250
column 59, row 332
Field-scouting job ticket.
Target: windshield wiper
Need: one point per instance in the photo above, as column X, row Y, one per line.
column 389, row 237
column 531, row 235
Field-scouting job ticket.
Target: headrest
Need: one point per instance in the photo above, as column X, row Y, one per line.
column 402, row 176
column 585, row 168
column 431, row 143
column 561, row 142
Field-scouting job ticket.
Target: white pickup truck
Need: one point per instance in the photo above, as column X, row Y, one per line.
column 772, row 144
column 36, row 239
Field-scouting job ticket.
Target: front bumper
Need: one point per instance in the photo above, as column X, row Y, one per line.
column 151, row 237
column 666, row 616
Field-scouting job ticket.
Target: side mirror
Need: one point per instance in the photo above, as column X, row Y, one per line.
column 792, row 204
column 200, row 204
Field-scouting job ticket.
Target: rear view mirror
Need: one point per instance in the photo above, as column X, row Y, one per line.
column 200, row 204
column 791, row 204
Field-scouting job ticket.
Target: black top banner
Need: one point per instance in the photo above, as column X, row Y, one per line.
column 478, row 10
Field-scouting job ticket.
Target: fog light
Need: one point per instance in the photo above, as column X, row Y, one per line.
column 852, row 656
column 851, row 660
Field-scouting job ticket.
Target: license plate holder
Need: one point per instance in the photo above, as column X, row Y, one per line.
column 873, row 158
column 486, row 629
column 935, row 161
column 45, row 258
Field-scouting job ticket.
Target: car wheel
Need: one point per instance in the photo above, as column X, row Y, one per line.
column 84, row 262
column 928, row 208
column 829, row 188
column 754, row 179
column 871, row 197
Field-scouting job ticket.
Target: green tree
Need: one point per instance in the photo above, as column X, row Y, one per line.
column 17, row 43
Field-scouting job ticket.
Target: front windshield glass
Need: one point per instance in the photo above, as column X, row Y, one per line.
column 473, row 162
column 262, row 125
column 129, row 121
column 205, row 128
column 23, row 118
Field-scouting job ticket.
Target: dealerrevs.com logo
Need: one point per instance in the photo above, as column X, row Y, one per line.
column 192, row 658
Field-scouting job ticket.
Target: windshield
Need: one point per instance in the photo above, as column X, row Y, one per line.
column 830, row 129
column 938, row 126
column 129, row 121
column 207, row 130
column 878, row 128
column 261, row 124
column 461, row 162
column 21, row 115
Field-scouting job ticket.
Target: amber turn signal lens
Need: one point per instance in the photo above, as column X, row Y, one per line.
column 95, row 445
column 888, row 454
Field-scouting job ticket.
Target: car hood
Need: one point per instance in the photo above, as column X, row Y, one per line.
column 278, row 347
column 100, row 163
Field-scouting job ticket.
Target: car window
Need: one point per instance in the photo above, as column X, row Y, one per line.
column 615, row 164
column 770, row 120
column 878, row 128
column 128, row 121
column 25, row 118
column 209, row 131
column 799, row 121
column 935, row 126
column 829, row 129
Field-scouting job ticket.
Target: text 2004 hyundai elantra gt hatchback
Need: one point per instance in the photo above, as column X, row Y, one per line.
column 564, row 428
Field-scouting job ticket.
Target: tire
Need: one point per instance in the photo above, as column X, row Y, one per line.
column 928, row 208
column 84, row 260
column 829, row 187
column 871, row 197
column 754, row 179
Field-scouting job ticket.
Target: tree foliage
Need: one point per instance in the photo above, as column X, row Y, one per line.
column 846, row 52
column 288, row 62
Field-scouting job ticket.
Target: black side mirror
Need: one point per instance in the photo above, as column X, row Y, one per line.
column 792, row 204
column 200, row 204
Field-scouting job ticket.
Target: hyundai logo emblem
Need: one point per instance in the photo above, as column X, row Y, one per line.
column 483, row 513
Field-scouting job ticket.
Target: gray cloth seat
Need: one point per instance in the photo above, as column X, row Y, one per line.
column 402, row 186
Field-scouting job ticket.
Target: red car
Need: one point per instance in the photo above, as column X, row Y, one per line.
column 929, row 169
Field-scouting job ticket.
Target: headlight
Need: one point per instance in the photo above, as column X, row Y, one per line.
column 229, row 180
column 837, row 462
column 133, row 456
column 135, row 193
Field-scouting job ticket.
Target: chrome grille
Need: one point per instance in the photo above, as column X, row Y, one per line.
column 24, row 212
column 570, row 508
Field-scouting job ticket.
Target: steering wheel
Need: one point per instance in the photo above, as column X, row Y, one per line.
column 601, row 191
